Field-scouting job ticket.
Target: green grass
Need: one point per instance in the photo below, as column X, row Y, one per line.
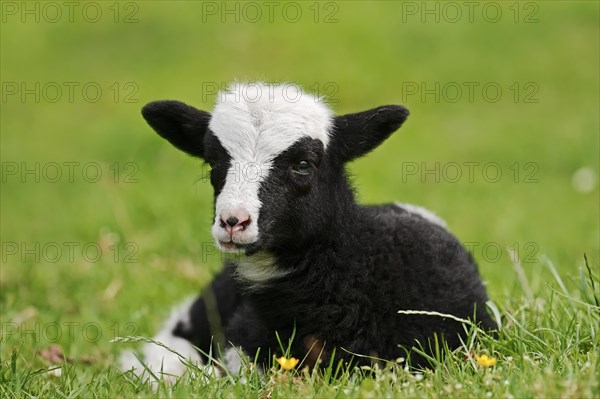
column 547, row 347
column 153, row 231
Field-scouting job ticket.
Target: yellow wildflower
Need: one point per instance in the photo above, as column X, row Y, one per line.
column 287, row 364
column 485, row 360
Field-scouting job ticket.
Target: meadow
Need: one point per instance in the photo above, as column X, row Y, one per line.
column 104, row 226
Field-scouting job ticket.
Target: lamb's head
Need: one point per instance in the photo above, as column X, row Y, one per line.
column 277, row 159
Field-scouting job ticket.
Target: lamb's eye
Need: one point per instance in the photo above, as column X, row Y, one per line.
column 302, row 168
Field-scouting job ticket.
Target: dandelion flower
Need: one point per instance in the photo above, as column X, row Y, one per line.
column 287, row 364
column 485, row 360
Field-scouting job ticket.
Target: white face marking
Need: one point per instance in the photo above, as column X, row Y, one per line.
column 424, row 213
column 256, row 122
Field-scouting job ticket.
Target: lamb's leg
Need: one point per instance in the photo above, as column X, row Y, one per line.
column 246, row 334
column 197, row 323
column 211, row 313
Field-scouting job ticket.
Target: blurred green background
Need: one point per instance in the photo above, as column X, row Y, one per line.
column 149, row 211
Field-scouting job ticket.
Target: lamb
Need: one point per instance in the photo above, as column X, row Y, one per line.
column 309, row 261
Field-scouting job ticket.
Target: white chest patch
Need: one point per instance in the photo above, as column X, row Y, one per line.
column 255, row 122
column 258, row 269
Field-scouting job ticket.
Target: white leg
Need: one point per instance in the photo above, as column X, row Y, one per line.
column 233, row 361
column 161, row 361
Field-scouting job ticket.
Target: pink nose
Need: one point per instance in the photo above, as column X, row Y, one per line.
column 234, row 221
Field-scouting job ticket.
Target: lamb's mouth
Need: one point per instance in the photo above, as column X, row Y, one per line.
column 239, row 248
column 231, row 245
column 234, row 247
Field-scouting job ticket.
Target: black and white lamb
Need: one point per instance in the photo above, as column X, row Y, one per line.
column 310, row 260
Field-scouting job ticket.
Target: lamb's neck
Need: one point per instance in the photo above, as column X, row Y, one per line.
column 299, row 285
column 317, row 265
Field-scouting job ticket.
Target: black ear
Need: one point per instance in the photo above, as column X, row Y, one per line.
column 182, row 125
column 356, row 134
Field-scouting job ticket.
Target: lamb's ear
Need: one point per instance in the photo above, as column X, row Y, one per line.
column 182, row 125
column 356, row 134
